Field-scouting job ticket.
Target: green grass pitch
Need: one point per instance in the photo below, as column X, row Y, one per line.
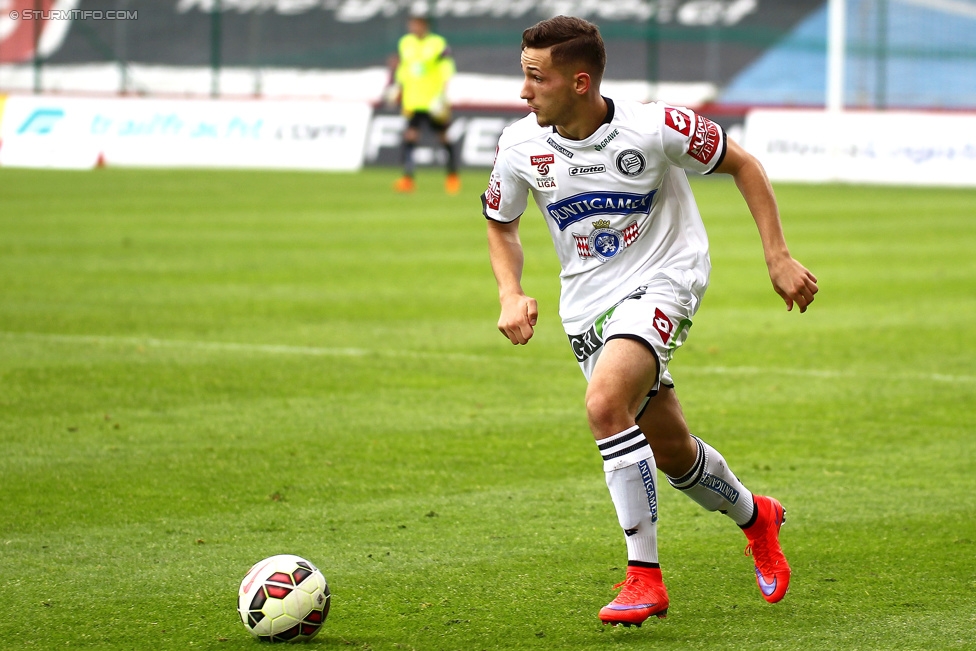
column 200, row 369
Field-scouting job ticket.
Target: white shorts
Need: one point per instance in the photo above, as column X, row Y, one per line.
column 657, row 314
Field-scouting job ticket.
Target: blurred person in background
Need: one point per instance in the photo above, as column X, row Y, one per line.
column 421, row 70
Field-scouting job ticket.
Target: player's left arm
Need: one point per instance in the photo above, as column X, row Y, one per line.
column 791, row 280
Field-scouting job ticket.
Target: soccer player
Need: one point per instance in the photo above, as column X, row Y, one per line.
column 423, row 68
column 609, row 178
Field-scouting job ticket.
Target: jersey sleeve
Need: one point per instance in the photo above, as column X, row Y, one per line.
column 445, row 63
column 692, row 141
column 507, row 195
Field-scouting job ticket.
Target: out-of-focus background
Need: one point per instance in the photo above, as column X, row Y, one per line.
column 207, row 358
column 73, row 70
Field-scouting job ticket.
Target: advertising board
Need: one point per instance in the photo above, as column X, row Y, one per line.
column 44, row 131
column 897, row 147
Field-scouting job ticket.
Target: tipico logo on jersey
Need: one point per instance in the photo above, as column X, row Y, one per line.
column 544, row 180
column 605, row 242
column 590, row 204
column 542, row 163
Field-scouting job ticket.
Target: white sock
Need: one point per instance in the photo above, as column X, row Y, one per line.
column 711, row 484
column 630, row 469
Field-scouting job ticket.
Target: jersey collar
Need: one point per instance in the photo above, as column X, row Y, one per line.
column 608, row 118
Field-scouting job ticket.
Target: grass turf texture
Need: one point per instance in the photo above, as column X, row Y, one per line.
column 201, row 369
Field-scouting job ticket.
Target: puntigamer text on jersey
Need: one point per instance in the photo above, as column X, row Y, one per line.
column 580, row 206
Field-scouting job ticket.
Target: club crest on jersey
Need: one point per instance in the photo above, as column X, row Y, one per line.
column 631, row 162
column 605, row 242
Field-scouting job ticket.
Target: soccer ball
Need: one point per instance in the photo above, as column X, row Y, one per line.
column 283, row 598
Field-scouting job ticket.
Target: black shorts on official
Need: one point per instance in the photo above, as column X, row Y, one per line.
column 419, row 118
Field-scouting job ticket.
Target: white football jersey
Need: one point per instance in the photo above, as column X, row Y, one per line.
column 618, row 204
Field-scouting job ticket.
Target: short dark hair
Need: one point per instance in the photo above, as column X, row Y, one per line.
column 573, row 41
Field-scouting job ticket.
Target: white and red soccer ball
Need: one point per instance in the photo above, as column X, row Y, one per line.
column 283, row 598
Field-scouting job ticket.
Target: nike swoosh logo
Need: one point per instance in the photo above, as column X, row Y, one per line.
column 630, row 607
column 767, row 588
column 253, row 574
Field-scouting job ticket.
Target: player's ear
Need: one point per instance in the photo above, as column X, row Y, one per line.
column 582, row 83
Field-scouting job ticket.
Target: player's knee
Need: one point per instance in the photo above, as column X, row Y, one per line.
column 606, row 414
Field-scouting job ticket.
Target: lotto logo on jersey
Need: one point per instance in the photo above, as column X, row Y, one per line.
column 663, row 325
column 706, row 141
column 542, row 163
column 678, row 120
column 587, row 169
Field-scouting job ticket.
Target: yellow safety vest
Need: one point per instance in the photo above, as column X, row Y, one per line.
column 425, row 67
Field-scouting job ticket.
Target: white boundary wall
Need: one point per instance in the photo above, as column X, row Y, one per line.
column 898, row 148
column 363, row 85
column 73, row 132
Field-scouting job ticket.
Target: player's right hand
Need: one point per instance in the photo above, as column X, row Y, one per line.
column 391, row 96
column 518, row 318
column 793, row 282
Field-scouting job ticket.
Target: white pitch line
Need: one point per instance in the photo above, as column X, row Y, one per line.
column 221, row 346
column 317, row 351
column 829, row 374
column 150, row 342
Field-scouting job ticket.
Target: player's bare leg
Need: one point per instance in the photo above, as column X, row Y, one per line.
column 623, row 375
column 406, row 183
column 700, row 471
column 452, row 184
column 663, row 423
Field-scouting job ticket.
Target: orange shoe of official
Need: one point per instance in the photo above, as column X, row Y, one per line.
column 452, row 185
column 643, row 595
column 772, row 570
column 404, row 184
